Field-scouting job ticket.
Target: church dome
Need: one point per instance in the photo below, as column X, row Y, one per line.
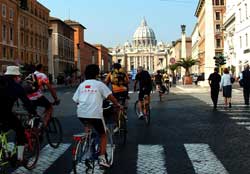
column 144, row 35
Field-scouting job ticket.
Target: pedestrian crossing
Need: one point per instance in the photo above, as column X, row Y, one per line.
column 151, row 159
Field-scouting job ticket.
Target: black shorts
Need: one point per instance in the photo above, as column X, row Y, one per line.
column 97, row 124
column 121, row 97
column 143, row 92
column 42, row 102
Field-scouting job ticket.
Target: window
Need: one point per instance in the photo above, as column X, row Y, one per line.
column 217, row 2
column 240, row 42
column 11, row 34
column 240, row 15
column 218, row 43
column 221, row 2
column 3, row 10
column 217, row 27
column 246, row 11
column 4, row 52
column 11, row 14
column 217, row 15
column 11, row 53
column 4, row 32
column 246, row 40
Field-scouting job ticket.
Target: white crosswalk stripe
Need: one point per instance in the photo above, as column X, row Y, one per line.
column 47, row 157
column 204, row 160
column 151, row 160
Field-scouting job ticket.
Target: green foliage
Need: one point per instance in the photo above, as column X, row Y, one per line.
column 187, row 64
column 219, row 60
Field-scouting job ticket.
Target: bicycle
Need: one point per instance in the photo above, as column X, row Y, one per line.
column 8, row 153
column 145, row 109
column 85, row 150
column 53, row 131
column 120, row 137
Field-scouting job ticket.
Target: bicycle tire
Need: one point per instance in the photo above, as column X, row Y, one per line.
column 110, row 148
column 54, row 132
column 136, row 108
column 81, row 148
column 120, row 137
column 167, row 89
column 31, row 150
column 147, row 115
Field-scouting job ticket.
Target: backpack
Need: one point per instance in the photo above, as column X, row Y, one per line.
column 30, row 84
column 118, row 77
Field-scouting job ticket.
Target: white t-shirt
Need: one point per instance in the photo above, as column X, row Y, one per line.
column 90, row 95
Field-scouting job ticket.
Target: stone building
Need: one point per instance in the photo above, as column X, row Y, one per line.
column 143, row 50
column 24, row 33
column 211, row 37
column 62, row 47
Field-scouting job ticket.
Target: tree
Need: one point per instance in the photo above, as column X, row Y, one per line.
column 219, row 60
column 173, row 67
column 187, row 64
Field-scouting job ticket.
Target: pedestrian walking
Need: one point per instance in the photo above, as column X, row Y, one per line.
column 214, row 83
column 245, row 79
column 226, row 87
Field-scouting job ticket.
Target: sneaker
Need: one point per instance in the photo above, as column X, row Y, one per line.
column 116, row 129
column 89, row 164
column 141, row 116
column 103, row 162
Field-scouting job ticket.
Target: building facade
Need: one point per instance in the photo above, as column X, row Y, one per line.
column 8, row 33
column 24, row 33
column 242, row 33
column 195, row 49
column 211, row 37
column 33, row 34
column 143, row 51
column 62, row 47
column 229, row 36
column 90, row 55
column 104, row 59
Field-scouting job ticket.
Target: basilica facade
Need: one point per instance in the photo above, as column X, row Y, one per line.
column 143, row 50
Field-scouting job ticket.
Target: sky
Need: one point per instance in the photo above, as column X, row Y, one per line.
column 113, row 22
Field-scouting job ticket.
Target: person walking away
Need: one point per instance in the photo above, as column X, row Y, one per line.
column 226, row 87
column 245, row 78
column 10, row 91
column 214, row 83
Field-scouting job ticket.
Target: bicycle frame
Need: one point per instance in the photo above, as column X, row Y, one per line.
column 5, row 149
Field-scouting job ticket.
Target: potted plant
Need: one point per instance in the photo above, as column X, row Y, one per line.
column 187, row 64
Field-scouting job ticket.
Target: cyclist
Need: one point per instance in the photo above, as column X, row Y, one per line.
column 119, row 80
column 145, row 87
column 166, row 79
column 38, row 99
column 10, row 92
column 89, row 97
column 158, row 80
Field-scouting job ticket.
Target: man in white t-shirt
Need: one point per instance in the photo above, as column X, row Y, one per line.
column 89, row 97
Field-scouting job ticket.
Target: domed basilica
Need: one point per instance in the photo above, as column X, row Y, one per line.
column 142, row 51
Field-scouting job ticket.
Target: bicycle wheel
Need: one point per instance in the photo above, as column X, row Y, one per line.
column 120, row 137
column 110, row 148
column 147, row 115
column 136, row 108
column 54, row 132
column 79, row 155
column 31, row 150
column 167, row 89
